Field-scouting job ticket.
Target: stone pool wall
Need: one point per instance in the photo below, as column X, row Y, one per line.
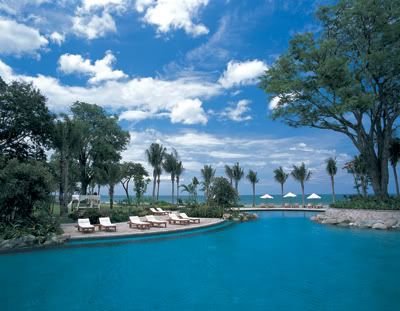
column 374, row 219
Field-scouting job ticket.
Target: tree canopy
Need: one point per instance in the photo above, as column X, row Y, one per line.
column 345, row 78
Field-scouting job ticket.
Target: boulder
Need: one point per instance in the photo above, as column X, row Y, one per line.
column 391, row 222
column 379, row 226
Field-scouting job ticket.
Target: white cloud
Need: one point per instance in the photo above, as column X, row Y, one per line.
column 168, row 15
column 100, row 71
column 188, row 111
column 274, row 102
column 239, row 112
column 19, row 39
column 242, row 73
column 135, row 115
column 57, row 37
column 93, row 4
column 92, row 26
column 180, row 99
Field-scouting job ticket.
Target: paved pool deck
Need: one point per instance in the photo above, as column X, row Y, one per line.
column 284, row 209
column 123, row 230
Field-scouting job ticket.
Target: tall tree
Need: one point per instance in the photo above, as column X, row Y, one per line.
column 229, row 173
column 331, row 169
column 280, row 176
column 179, row 171
column 301, row 174
column 155, row 155
column 345, row 79
column 64, row 137
column 207, row 173
column 109, row 173
column 360, row 165
column 349, row 166
column 195, row 183
column 237, row 174
column 170, row 164
column 101, row 140
column 127, row 171
column 140, row 181
column 394, row 151
column 26, row 125
column 253, row 179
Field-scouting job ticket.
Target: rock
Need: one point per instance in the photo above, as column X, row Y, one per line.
column 390, row 222
column 330, row 221
column 29, row 239
column 379, row 226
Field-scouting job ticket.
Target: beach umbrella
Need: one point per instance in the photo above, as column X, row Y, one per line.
column 266, row 196
column 290, row 195
column 313, row 196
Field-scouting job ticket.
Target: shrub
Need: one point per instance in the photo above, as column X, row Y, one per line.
column 25, row 187
column 203, row 211
column 372, row 202
column 222, row 194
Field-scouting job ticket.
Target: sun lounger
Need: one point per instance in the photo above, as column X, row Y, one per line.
column 84, row 225
column 155, row 212
column 191, row 219
column 155, row 222
column 309, row 205
column 134, row 221
column 162, row 211
column 175, row 220
column 106, row 224
column 286, row 205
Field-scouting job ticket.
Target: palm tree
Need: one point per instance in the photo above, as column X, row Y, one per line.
column 301, row 174
column 179, row 171
column 280, row 176
column 195, row 183
column 331, row 169
column 207, row 172
column 158, row 172
column 155, row 154
column 394, row 151
column 237, row 174
column 169, row 165
column 252, row 177
column 229, row 173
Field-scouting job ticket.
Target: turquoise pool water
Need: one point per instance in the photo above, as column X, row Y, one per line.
column 282, row 261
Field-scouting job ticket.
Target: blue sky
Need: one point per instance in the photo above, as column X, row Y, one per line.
column 183, row 73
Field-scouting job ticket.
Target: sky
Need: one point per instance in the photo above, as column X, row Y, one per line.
column 182, row 73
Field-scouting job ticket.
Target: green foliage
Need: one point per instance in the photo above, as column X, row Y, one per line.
column 140, row 181
column 25, row 187
column 207, row 173
column 345, row 79
column 203, row 211
column 101, row 140
column 222, row 194
column 372, row 202
column 237, row 174
column 300, row 173
column 331, row 166
column 25, row 122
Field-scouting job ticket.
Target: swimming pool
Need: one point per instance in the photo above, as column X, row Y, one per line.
column 282, row 261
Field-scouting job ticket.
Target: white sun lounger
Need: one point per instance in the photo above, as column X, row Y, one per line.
column 162, row 211
column 191, row 219
column 155, row 222
column 134, row 221
column 106, row 224
column 175, row 220
column 84, row 225
column 155, row 212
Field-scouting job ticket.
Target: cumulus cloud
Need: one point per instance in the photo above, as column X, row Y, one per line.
column 188, row 111
column 242, row 73
column 57, row 37
column 239, row 112
column 168, row 15
column 100, row 71
column 19, row 39
column 93, row 26
column 180, row 99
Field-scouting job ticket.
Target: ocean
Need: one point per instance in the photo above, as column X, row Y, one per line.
column 244, row 199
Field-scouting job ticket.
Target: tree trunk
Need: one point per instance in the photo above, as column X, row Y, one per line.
column 61, row 195
column 111, row 195
column 173, row 190
column 177, row 190
column 302, row 194
column 333, row 188
column 154, row 185
column 254, row 195
column 126, row 189
column 236, row 186
column 158, row 186
column 282, row 192
column 396, row 180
